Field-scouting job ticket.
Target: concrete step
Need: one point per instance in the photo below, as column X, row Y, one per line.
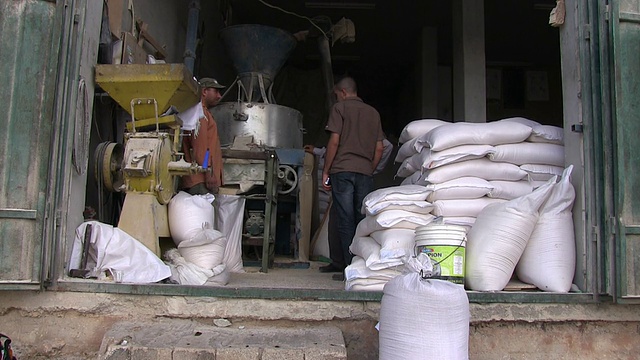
column 178, row 339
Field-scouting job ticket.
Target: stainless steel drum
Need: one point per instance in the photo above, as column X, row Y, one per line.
column 270, row 124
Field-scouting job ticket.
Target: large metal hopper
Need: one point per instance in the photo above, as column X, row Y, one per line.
column 257, row 50
column 168, row 84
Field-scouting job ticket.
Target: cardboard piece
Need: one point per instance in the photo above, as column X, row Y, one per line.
column 132, row 53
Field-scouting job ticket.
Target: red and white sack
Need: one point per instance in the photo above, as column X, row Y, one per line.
column 464, row 133
column 498, row 238
column 549, row 259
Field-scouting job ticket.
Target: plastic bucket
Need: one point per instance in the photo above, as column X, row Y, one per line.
column 445, row 246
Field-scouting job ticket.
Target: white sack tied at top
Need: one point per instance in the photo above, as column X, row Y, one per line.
column 189, row 215
column 498, row 238
column 112, row 250
column 422, row 318
column 549, row 260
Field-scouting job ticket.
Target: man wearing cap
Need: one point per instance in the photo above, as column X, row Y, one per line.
column 203, row 143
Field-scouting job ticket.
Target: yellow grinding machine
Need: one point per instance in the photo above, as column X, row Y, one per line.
column 148, row 167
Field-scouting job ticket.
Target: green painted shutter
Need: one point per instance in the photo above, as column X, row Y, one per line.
column 27, row 55
column 625, row 31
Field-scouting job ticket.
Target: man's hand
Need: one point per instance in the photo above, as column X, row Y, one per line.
column 326, row 184
column 309, row 148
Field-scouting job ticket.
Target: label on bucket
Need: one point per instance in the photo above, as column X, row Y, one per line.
column 447, row 260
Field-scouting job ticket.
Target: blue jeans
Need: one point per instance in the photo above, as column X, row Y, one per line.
column 348, row 190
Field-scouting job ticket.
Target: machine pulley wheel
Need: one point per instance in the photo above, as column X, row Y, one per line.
column 288, row 179
column 108, row 165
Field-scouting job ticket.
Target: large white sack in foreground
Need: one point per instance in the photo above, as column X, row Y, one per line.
column 498, row 238
column 423, row 319
column 549, row 259
column 111, row 249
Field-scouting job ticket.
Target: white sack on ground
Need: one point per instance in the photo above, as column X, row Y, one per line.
column 189, row 214
column 419, row 127
column 391, row 219
column 468, row 187
column 549, row 259
column 369, row 250
column 463, row 207
column 509, row 190
column 423, row 319
column 187, row 273
column 229, row 216
column 429, row 159
column 395, row 243
column 415, row 206
column 482, row 168
column 404, row 192
column 541, row 172
column 205, row 249
column 111, row 249
column 498, row 238
column 464, row 133
column 529, row 153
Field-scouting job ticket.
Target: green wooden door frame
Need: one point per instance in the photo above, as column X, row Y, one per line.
column 625, row 59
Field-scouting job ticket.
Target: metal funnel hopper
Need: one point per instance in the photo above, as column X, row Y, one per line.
column 257, row 51
column 168, row 84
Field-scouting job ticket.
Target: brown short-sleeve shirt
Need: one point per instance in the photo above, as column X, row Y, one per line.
column 360, row 128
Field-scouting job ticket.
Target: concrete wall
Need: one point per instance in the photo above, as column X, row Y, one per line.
column 57, row 325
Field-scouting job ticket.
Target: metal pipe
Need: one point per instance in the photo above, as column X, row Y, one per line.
column 192, row 29
column 325, row 65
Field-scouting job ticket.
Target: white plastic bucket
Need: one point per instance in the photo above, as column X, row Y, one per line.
column 445, row 246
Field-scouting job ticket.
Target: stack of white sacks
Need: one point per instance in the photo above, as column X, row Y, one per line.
column 384, row 239
column 199, row 257
column 471, row 165
column 455, row 171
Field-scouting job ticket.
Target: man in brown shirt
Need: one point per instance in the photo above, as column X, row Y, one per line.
column 204, row 138
column 353, row 153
